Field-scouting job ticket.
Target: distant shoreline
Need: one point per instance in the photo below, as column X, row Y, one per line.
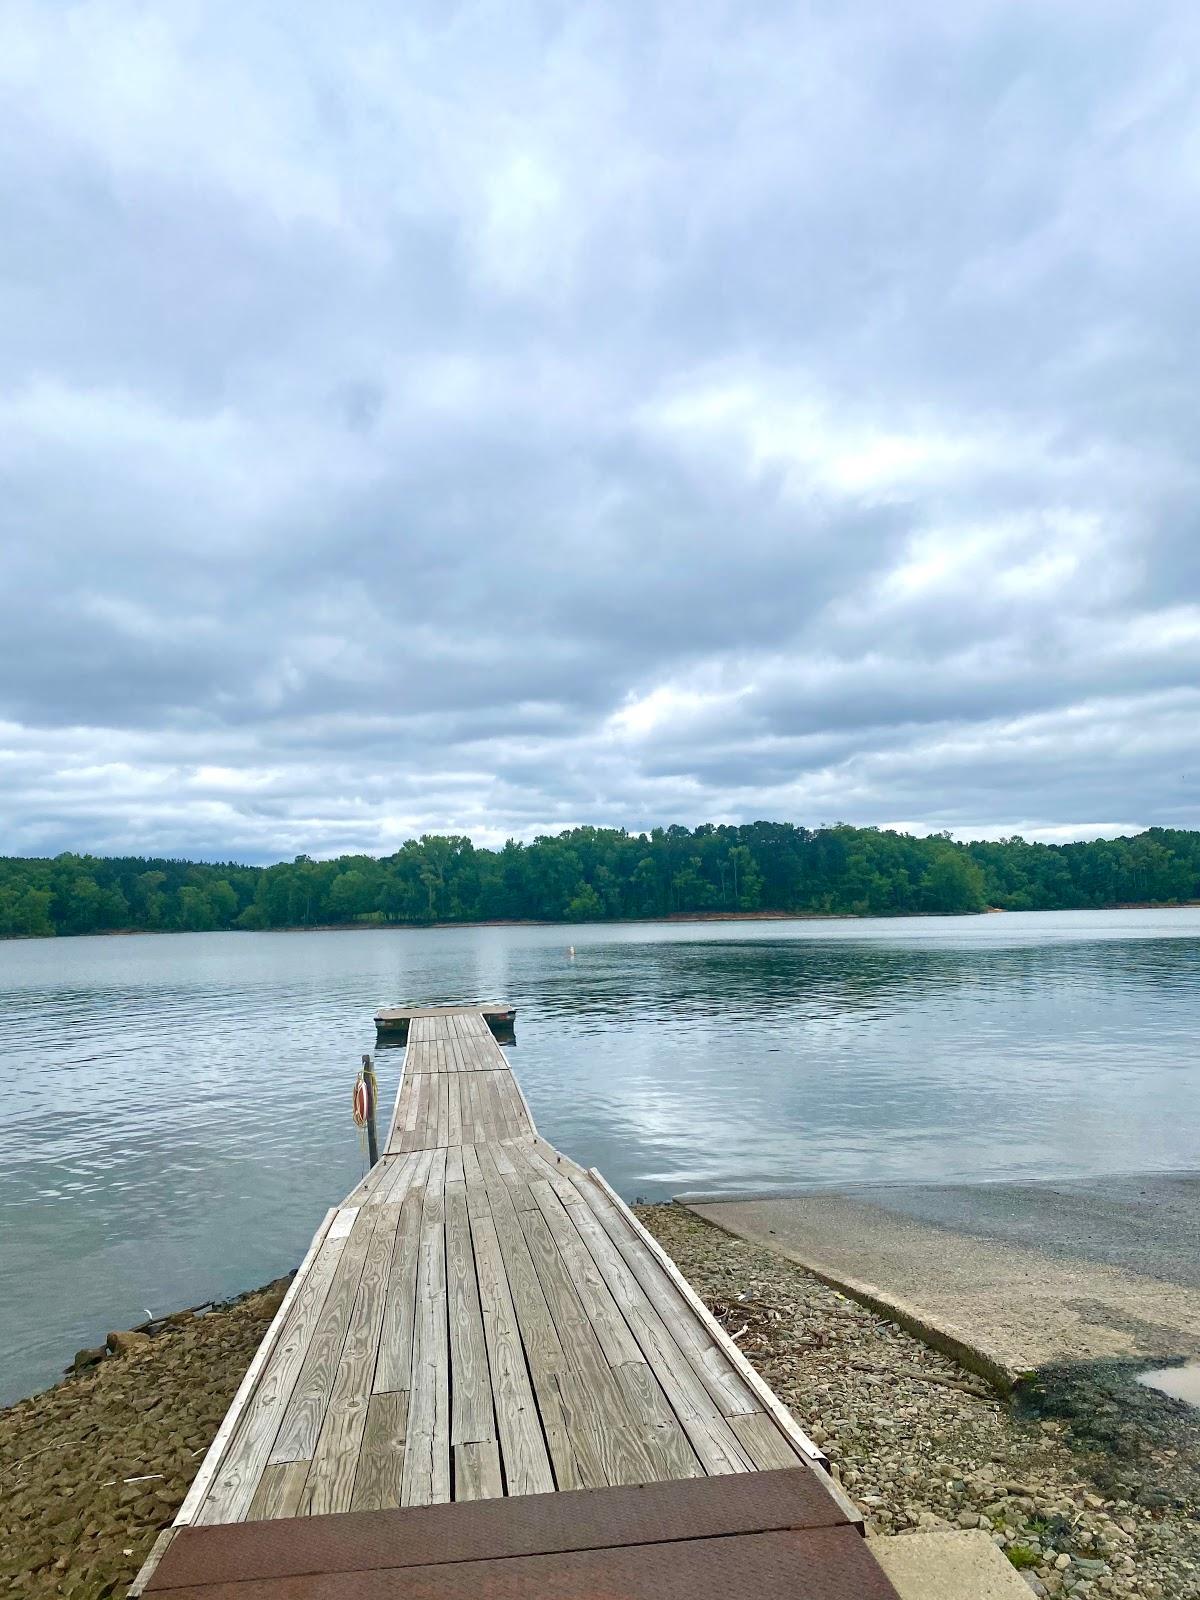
column 615, row 922
column 499, row 922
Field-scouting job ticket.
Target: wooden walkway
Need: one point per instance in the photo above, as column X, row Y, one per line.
column 483, row 1318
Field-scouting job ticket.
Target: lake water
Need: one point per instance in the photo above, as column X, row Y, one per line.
column 175, row 1109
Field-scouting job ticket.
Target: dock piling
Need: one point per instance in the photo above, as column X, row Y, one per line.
column 364, row 1106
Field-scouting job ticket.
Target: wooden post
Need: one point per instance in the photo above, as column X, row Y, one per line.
column 372, row 1097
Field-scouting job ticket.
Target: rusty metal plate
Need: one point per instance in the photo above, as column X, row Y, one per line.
column 812, row 1564
column 581, row 1519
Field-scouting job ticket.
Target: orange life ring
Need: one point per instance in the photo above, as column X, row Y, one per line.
column 362, row 1102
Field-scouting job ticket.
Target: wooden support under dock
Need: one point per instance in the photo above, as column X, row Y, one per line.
column 481, row 1320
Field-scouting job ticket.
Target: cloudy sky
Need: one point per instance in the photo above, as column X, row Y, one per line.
column 495, row 417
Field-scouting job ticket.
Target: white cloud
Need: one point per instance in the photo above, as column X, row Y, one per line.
column 503, row 417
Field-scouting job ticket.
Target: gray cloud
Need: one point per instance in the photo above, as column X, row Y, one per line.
column 494, row 419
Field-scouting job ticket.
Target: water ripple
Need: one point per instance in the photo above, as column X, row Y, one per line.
column 175, row 1108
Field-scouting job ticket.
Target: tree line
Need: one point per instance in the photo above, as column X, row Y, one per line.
column 598, row 874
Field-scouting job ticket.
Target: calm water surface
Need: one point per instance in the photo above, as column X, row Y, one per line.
column 174, row 1109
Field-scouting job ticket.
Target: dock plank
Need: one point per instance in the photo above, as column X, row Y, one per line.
column 600, row 1309
column 762, row 1440
column 477, row 1471
column 700, row 1416
column 279, row 1493
column 426, row 1475
column 233, row 1488
column 722, row 1381
column 297, row 1437
column 335, row 1459
column 379, row 1479
column 539, row 1337
column 527, row 1466
column 472, row 1418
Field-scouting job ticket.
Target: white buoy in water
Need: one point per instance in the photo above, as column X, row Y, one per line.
column 571, row 951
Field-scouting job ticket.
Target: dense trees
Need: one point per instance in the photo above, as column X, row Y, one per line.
column 592, row 874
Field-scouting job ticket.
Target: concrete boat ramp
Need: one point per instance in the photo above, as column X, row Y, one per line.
column 1004, row 1277
column 488, row 1379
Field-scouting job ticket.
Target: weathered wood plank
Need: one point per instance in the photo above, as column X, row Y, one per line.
column 757, row 1385
column 606, row 1438
column 763, row 1441
column 428, row 1099
column 668, row 1444
column 601, row 1310
column 444, row 1109
column 701, row 1418
column 609, row 1445
column 454, row 1124
column 472, row 1419
column 378, row 1482
column 370, row 1184
column 575, row 1332
column 541, row 1343
column 503, row 1162
column 404, row 1168
column 690, row 1332
column 335, row 1459
column 234, row 1418
column 559, row 1181
column 280, row 1492
column 526, row 1463
column 477, row 1471
column 301, row 1423
column 228, row 1495
column 471, row 1085
column 489, row 1105
column 477, row 1198
column 426, row 1476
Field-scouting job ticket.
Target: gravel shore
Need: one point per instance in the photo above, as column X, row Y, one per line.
column 1087, row 1495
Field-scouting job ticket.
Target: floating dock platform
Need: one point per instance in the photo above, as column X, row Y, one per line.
column 487, row 1378
column 392, row 1023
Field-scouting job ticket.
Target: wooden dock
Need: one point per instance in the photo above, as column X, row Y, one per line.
column 480, row 1320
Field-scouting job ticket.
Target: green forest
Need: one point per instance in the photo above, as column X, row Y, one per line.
column 597, row 874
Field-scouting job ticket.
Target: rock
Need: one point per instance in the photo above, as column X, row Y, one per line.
column 127, row 1343
column 88, row 1358
column 272, row 1296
